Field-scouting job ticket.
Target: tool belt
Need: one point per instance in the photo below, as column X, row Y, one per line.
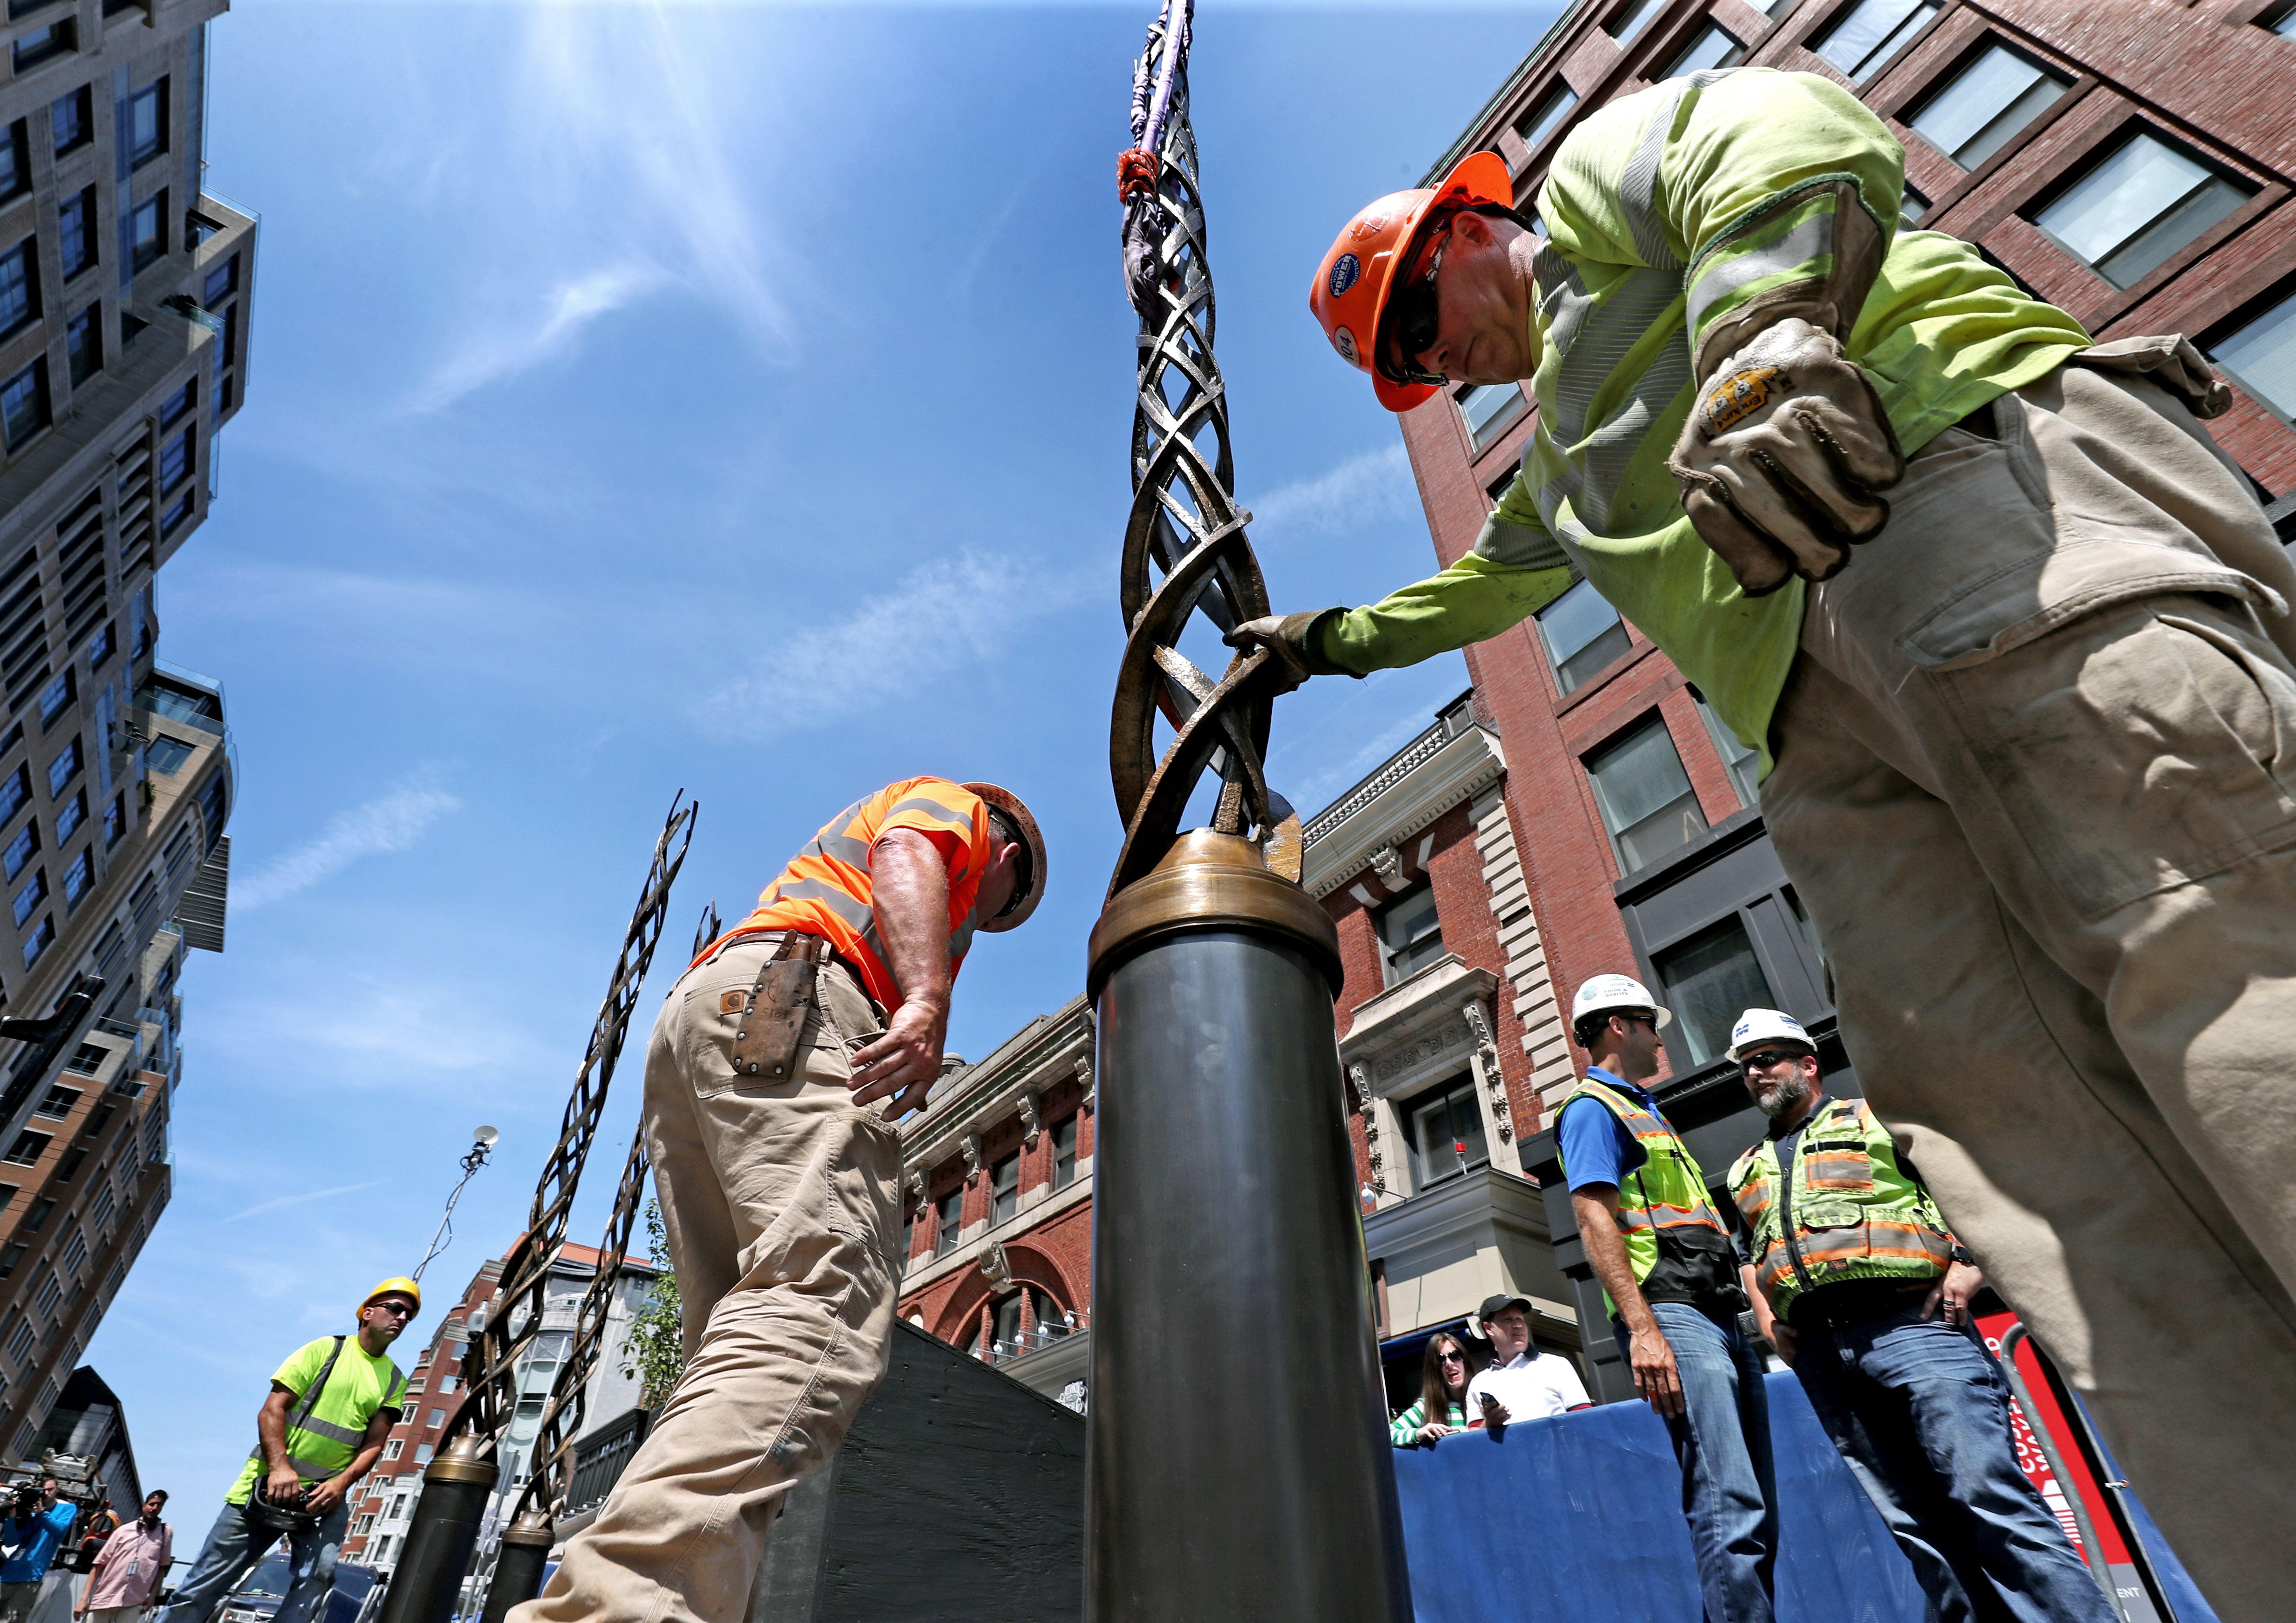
column 1854, row 1301
column 773, row 1017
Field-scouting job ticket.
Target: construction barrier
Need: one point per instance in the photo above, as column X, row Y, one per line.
column 1579, row 1520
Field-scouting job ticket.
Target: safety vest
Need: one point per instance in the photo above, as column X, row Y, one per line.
column 826, row 889
column 1667, row 1193
column 337, row 1386
column 1855, row 1213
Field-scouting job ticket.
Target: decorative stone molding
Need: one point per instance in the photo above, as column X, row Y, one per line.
column 1371, row 1151
column 996, row 1266
column 917, row 1185
column 1032, row 1104
column 1487, row 1065
column 1388, row 864
column 1438, row 770
column 1084, row 1080
column 970, row 1145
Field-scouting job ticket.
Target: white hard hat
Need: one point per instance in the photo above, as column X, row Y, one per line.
column 1767, row 1026
column 1605, row 992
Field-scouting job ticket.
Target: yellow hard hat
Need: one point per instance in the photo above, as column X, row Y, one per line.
column 394, row 1287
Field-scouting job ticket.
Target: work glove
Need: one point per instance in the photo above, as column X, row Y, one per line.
column 1786, row 446
column 1287, row 636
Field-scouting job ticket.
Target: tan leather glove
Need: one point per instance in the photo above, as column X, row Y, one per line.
column 1786, row 446
column 1289, row 638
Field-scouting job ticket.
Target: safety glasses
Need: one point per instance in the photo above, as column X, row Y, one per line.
column 1413, row 319
column 1770, row 1060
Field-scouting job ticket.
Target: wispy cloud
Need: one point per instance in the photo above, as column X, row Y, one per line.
column 565, row 312
column 389, row 823
column 1373, row 487
column 940, row 618
column 285, row 1200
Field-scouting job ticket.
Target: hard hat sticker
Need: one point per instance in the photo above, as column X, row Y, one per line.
column 1344, row 272
column 1344, row 342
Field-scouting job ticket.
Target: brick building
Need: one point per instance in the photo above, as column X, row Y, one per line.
column 2130, row 162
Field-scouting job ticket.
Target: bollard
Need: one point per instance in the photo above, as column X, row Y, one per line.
column 1237, row 1452
column 518, row 1565
column 427, row 1582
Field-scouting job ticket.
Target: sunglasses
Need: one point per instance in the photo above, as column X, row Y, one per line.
column 1415, row 319
column 1450, row 1357
column 1763, row 1062
column 403, row 1310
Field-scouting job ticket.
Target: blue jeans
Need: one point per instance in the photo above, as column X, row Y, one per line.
column 1722, row 1441
column 235, row 1546
column 1921, row 1413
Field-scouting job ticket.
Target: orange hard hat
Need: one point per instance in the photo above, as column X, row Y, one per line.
column 1349, row 294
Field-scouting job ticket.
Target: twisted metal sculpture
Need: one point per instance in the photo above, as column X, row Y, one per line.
column 515, row 1315
column 1184, row 526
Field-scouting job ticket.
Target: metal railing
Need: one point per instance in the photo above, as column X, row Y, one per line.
column 1036, row 1338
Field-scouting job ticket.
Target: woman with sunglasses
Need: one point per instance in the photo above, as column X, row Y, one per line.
column 1442, row 1391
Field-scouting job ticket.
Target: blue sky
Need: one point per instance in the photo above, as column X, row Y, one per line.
column 725, row 397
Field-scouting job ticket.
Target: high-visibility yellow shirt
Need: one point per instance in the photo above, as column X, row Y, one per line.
column 826, row 889
column 1669, row 210
column 321, row 1443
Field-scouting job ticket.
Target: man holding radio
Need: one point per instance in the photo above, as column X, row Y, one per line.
column 319, row 1432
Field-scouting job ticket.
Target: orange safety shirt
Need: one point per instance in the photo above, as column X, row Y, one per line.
column 826, row 890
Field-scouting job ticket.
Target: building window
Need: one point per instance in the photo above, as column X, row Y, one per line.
column 24, row 404
column 27, row 1148
column 1645, row 796
column 63, row 769
column 20, row 849
column 1707, row 982
column 2260, row 355
column 1633, row 18
column 1911, row 206
column 78, row 878
column 1064, row 1153
column 15, row 165
column 1583, row 633
column 19, row 287
column 58, row 1102
column 16, row 790
column 176, row 405
column 76, row 230
column 84, row 344
column 44, row 45
column 1863, row 41
column 392, row 1449
column 35, row 892
column 70, row 815
column 102, row 645
column 1986, row 105
column 2282, row 21
column 175, row 461
column 222, row 281
column 38, row 1218
column 172, row 520
column 1445, row 1131
column 1541, row 121
column 948, row 1214
column 1489, row 409
column 1410, row 932
column 2126, row 216
column 55, row 698
column 1005, row 1188
column 1743, row 763
column 147, row 231
column 69, row 119
column 115, row 821
column 143, row 124
column 15, row 1254
column 1712, row 48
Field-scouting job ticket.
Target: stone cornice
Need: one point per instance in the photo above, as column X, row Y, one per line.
column 1428, row 998
column 1038, row 1057
column 1425, row 779
column 1012, row 1231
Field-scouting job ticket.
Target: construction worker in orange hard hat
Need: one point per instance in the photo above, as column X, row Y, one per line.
column 779, row 1178
column 2011, row 641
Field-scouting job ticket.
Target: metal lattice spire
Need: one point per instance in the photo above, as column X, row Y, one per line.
column 1186, row 526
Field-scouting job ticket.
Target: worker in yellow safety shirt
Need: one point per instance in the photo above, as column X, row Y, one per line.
column 780, row 1185
column 322, row 1428
column 1862, row 1288
column 2014, row 641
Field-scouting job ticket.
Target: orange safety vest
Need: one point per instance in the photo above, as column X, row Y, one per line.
column 826, row 890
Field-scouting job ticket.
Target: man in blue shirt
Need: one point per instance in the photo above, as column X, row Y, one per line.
column 32, row 1541
column 1666, row 1265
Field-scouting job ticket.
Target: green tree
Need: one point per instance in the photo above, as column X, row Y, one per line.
column 655, row 1350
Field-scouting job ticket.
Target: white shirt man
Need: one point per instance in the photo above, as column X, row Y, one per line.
column 1523, row 1383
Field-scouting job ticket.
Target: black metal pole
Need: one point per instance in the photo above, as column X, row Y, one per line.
column 518, row 1565
column 426, row 1585
column 1238, row 1464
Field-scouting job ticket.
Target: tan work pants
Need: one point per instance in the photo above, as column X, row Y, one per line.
column 2035, row 785
column 782, row 1208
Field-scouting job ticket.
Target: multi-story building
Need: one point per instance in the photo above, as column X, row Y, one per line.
column 124, row 293
column 2129, row 163
column 382, row 1507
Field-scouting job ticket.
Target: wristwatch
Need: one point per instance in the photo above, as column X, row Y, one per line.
column 1960, row 1253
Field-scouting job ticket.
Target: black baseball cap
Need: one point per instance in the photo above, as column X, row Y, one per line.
column 1493, row 1306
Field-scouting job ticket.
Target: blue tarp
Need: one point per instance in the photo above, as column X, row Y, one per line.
column 1579, row 1520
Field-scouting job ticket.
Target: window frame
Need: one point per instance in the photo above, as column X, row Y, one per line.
column 43, row 415
column 1934, row 89
column 2278, row 300
column 143, row 253
column 137, row 155
column 1614, row 747
column 1453, row 1092
column 1390, row 952
column 2110, row 146
column 1874, row 68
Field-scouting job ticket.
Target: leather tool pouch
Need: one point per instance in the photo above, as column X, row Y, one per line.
column 765, row 1043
